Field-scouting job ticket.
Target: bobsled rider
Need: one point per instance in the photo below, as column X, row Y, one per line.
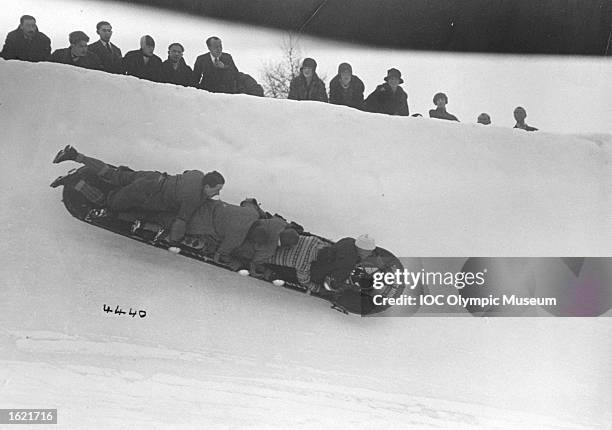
column 236, row 235
column 181, row 194
column 315, row 260
column 338, row 260
column 263, row 240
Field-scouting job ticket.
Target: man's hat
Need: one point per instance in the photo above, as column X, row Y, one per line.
column 309, row 62
column 484, row 118
column 365, row 242
column 394, row 73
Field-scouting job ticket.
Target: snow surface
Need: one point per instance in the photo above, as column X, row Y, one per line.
column 219, row 350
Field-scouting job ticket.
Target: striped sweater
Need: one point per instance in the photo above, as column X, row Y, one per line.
column 299, row 256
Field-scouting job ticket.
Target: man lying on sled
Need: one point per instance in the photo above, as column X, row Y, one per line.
column 237, row 235
column 179, row 194
column 183, row 203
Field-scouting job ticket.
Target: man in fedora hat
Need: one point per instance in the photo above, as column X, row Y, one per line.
column 307, row 85
column 389, row 98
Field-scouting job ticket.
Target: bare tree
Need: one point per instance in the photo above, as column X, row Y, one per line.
column 277, row 76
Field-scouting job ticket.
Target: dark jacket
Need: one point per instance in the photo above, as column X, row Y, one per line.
column 442, row 114
column 383, row 100
column 259, row 253
column 112, row 62
column 351, row 96
column 17, row 47
column 525, row 127
column 225, row 225
column 184, row 193
column 246, row 84
column 337, row 261
column 183, row 75
column 134, row 65
column 180, row 195
column 89, row 61
column 300, row 90
column 215, row 79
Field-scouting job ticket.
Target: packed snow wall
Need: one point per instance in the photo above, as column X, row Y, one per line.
column 421, row 187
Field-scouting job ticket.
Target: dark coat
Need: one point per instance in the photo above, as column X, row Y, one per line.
column 258, row 253
column 442, row 114
column 215, row 79
column 17, row 47
column 351, row 96
column 134, row 65
column 183, row 75
column 180, row 194
column 525, row 127
column 246, row 84
column 89, row 61
column 300, row 90
column 224, row 224
column 383, row 100
column 337, row 260
column 113, row 63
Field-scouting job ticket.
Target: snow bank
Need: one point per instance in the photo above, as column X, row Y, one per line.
column 421, row 187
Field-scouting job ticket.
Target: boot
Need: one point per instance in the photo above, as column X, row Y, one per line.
column 68, row 153
column 63, row 180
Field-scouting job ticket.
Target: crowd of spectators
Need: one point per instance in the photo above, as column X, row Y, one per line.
column 215, row 71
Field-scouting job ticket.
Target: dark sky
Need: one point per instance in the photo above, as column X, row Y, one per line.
column 564, row 27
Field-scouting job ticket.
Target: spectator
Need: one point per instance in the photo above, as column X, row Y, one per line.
column 215, row 71
column 389, row 98
column 441, row 100
column 307, row 85
column 143, row 63
column 484, row 119
column 174, row 69
column 26, row 43
column 109, row 54
column 345, row 88
column 77, row 53
column 519, row 115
